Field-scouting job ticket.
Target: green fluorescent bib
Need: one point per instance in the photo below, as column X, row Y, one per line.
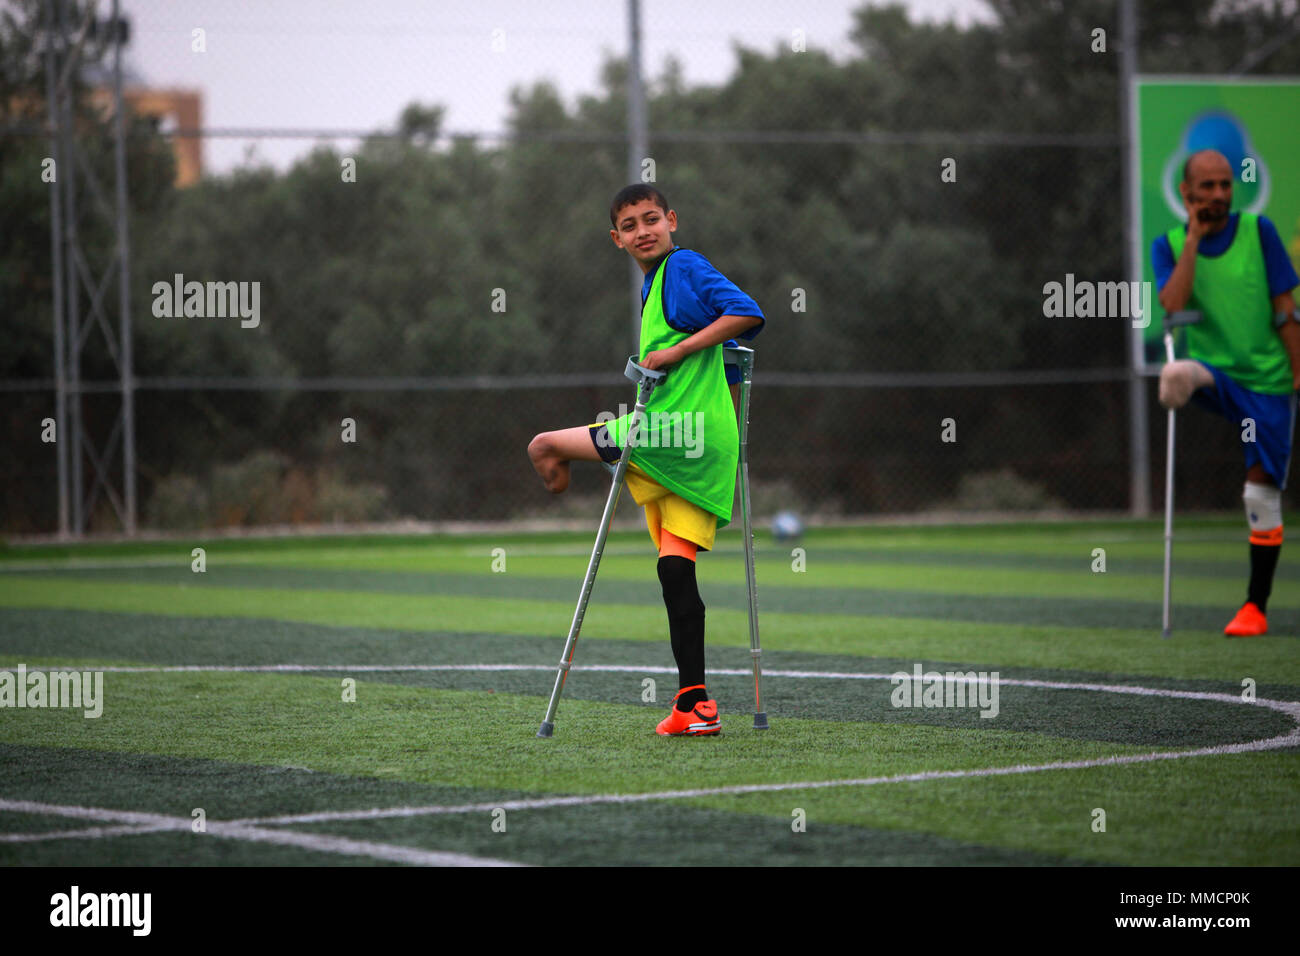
column 1236, row 333
column 688, row 440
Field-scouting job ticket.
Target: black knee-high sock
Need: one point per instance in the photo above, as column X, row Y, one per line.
column 685, row 625
column 1263, row 562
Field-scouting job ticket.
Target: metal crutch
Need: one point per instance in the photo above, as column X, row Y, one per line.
column 647, row 380
column 1172, row 322
column 743, row 358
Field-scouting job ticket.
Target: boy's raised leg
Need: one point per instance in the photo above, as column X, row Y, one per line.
column 551, row 452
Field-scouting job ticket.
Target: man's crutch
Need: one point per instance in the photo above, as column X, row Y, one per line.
column 1171, row 322
column 743, row 358
column 647, row 380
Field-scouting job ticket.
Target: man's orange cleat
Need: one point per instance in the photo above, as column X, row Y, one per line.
column 1249, row 622
column 699, row 721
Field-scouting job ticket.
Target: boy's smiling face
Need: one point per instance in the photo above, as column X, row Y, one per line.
column 645, row 231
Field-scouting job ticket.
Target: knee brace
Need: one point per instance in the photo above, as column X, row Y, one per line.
column 1263, row 512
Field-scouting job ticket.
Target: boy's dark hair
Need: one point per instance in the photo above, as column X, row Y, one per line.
column 631, row 195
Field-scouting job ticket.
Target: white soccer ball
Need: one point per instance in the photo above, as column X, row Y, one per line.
column 786, row 526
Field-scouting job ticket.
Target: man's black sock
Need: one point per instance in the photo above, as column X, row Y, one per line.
column 685, row 625
column 1263, row 562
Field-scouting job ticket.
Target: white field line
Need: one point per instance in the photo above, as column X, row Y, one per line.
column 1287, row 740
column 1290, row 739
column 127, row 829
column 241, row 827
column 154, row 823
column 91, row 564
column 1291, row 708
column 1288, row 707
column 347, row 559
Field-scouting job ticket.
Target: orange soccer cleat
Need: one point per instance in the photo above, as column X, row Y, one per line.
column 1249, row 622
column 699, row 721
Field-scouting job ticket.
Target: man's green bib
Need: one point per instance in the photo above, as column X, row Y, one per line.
column 688, row 441
column 1236, row 333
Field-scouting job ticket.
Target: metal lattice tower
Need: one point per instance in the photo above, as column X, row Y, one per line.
column 84, row 300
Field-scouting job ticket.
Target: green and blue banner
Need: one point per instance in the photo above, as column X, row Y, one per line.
column 1255, row 122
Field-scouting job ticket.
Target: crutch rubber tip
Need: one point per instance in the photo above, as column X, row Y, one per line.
column 546, row 729
column 760, row 721
column 1166, row 633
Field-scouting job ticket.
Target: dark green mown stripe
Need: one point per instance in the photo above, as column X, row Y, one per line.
column 1084, row 715
column 110, row 637
column 1117, row 562
column 1030, row 534
column 771, row 560
column 169, row 849
column 34, row 822
column 1234, row 810
column 1027, row 610
column 174, row 786
column 1080, row 715
column 639, row 834
column 658, row 834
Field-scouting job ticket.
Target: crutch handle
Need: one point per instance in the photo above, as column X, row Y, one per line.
column 650, row 377
column 739, row 356
column 1174, row 319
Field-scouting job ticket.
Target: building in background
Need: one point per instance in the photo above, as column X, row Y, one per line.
column 172, row 111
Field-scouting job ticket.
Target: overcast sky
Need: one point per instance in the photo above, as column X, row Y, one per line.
column 354, row 64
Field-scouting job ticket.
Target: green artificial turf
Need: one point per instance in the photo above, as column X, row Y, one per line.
column 1020, row 599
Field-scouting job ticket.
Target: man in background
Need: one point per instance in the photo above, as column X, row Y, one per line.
column 1244, row 355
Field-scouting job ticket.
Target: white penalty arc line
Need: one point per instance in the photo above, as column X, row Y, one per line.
column 953, row 675
column 182, row 560
column 135, row 823
column 1291, row 708
column 1289, row 739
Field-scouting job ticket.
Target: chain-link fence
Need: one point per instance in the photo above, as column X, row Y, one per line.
column 427, row 300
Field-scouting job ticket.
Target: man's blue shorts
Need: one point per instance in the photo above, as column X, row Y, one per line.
column 1274, row 417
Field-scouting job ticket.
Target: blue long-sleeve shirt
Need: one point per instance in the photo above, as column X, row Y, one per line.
column 696, row 294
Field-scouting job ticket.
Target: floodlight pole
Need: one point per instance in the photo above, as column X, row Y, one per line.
column 81, row 299
column 637, row 147
column 56, row 256
column 124, row 281
column 1139, row 431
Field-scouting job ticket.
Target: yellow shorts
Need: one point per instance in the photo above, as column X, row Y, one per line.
column 664, row 509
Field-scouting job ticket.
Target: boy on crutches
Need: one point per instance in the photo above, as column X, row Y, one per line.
column 682, row 468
